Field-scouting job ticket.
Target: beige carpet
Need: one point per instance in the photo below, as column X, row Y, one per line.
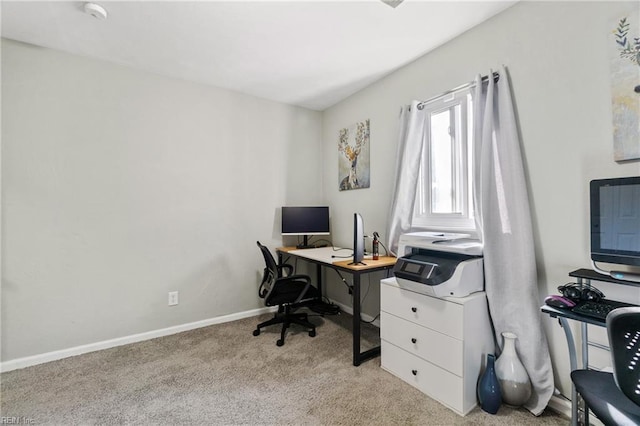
column 223, row 375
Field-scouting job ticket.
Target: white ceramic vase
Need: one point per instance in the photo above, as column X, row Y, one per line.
column 512, row 376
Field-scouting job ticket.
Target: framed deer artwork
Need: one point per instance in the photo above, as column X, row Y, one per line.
column 624, row 48
column 354, row 167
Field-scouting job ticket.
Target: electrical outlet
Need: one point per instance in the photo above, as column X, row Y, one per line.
column 173, row 298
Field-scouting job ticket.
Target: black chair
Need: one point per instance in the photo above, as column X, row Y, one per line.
column 615, row 398
column 288, row 292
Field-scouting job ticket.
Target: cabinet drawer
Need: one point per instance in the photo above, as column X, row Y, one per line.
column 437, row 348
column 436, row 314
column 439, row 384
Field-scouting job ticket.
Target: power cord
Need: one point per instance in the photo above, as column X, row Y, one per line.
column 325, row 307
column 370, row 322
column 350, row 288
column 386, row 252
column 375, row 235
column 335, row 256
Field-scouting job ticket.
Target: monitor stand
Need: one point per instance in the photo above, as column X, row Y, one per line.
column 618, row 275
column 305, row 243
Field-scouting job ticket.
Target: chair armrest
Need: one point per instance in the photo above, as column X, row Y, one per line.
column 299, row 278
column 286, row 267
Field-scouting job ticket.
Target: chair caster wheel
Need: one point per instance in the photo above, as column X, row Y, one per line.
column 256, row 332
column 279, row 342
column 312, row 333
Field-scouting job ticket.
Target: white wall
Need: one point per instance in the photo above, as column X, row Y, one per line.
column 118, row 192
column 120, row 186
column 557, row 56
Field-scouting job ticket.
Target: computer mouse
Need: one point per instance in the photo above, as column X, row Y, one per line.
column 557, row 301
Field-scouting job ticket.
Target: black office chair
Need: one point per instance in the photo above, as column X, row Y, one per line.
column 288, row 292
column 615, row 398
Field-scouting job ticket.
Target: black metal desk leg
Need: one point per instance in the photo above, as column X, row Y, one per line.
column 359, row 357
column 356, row 319
column 584, row 337
column 319, row 279
column 573, row 365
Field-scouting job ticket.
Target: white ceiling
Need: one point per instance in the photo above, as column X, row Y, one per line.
column 307, row 53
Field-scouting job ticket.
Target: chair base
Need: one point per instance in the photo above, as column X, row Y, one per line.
column 287, row 318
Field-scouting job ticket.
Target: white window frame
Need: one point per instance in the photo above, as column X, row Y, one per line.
column 424, row 216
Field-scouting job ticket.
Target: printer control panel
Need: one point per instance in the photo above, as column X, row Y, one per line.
column 416, row 268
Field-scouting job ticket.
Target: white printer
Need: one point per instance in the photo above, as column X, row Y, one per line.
column 440, row 264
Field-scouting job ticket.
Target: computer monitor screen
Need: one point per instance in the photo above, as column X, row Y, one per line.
column 305, row 221
column 615, row 220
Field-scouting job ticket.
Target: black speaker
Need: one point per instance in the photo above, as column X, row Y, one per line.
column 574, row 292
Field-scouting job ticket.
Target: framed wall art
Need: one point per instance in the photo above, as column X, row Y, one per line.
column 624, row 55
column 354, row 167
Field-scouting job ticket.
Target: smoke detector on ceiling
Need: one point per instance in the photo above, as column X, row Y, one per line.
column 96, row 11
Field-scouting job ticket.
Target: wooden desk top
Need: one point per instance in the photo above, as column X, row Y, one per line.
column 287, row 249
column 382, row 262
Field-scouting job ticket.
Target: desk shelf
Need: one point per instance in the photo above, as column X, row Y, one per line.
column 589, row 274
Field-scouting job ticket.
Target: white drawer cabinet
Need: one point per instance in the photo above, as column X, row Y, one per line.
column 438, row 345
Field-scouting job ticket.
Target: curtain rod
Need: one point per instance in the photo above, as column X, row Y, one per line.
column 485, row 78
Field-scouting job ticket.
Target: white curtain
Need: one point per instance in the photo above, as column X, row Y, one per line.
column 504, row 220
column 410, row 141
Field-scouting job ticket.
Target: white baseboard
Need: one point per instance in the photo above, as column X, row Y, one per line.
column 29, row 361
column 560, row 405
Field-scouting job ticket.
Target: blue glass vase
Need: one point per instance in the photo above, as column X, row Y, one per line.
column 489, row 393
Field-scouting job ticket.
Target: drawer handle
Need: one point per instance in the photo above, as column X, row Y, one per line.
column 414, row 309
column 414, row 372
column 413, row 340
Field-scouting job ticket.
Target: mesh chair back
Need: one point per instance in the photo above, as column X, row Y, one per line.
column 623, row 328
column 270, row 273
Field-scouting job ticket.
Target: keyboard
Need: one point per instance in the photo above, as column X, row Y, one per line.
column 599, row 309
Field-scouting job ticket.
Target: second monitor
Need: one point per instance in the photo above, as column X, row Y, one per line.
column 305, row 221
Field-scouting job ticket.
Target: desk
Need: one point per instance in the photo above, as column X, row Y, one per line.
column 322, row 257
column 584, row 277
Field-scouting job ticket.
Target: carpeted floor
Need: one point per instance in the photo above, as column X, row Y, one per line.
column 223, row 375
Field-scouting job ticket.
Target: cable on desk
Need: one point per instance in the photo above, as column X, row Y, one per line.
column 329, row 243
column 340, row 248
column 335, row 256
column 315, row 243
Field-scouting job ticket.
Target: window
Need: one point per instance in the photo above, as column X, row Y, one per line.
column 444, row 194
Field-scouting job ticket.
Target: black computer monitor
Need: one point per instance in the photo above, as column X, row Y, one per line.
column 615, row 224
column 358, row 239
column 305, row 221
